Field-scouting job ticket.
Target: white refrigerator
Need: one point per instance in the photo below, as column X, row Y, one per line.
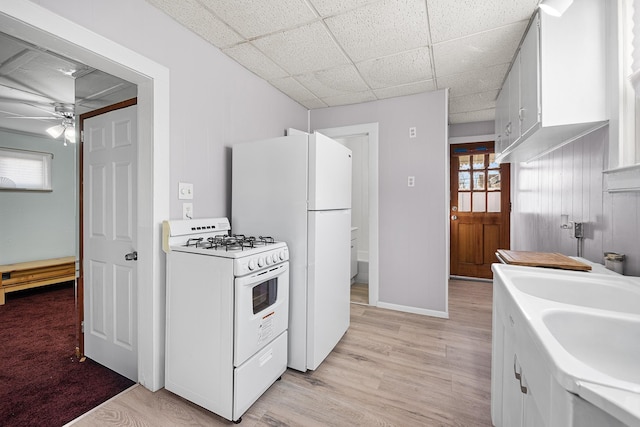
column 297, row 188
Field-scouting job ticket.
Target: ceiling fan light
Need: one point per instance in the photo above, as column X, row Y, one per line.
column 70, row 134
column 56, row 131
column 555, row 7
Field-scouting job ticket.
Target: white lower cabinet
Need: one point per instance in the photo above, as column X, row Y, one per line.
column 512, row 401
column 523, row 390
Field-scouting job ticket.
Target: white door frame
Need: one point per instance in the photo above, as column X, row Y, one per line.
column 35, row 24
column 371, row 130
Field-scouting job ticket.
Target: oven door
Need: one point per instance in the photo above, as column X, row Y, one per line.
column 262, row 310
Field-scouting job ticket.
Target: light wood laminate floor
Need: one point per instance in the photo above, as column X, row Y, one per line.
column 390, row 369
column 360, row 293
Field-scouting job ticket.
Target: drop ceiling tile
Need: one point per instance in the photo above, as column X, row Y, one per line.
column 353, row 98
column 336, row 81
column 333, row 7
column 253, row 18
column 450, row 19
column 198, row 19
column 380, row 29
column 395, row 70
column 312, row 104
column 303, row 49
column 473, row 116
column 252, row 59
column 294, row 90
column 473, row 102
column 478, row 80
column 478, row 51
column 409, row 89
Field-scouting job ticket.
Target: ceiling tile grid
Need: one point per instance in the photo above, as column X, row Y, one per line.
column 252, row 18
column 399, row 69
column 302, row 49
column 252, row 59
column 198, row 19
column 380, row 29
column 334, row 52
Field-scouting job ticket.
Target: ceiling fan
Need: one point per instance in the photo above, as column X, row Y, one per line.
column 65, row 113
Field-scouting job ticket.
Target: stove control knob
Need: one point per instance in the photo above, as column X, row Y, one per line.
column 282, row 255
column 260, row 262
column 268, row 260
column 252, row 264
column 275, row 258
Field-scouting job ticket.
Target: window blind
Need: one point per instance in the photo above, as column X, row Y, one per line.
column 25, row 170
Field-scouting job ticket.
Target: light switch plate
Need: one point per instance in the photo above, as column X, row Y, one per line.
column 412, row 132
column 185, row 191
column 411, row 181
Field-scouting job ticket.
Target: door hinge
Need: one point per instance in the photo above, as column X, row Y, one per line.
column 81, row 136
column 82, row 326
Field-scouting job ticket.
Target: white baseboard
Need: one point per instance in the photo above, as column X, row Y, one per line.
column 414, row 310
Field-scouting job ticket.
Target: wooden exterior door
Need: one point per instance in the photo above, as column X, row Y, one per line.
column 480, row 209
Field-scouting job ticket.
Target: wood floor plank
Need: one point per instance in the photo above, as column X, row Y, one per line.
column 390, row 369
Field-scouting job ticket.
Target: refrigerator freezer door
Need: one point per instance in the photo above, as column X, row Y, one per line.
column 328, row 281
column 329, row 174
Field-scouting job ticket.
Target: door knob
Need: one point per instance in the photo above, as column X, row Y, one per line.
column 133, row 256
column 454, row 217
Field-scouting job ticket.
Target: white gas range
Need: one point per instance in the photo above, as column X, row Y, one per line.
column 227, row 314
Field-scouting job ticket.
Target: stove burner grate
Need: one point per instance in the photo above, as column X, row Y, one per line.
column 233, row 242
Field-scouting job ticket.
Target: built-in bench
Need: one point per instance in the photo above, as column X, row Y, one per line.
column 32, row 274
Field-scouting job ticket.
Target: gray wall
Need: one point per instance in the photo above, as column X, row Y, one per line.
column 570, row 181
column 459, row 130
column 413, row 228
column 38, row 225
column 215, row 102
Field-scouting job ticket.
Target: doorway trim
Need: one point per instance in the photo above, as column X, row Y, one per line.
column 371, row 130
column 40, row 26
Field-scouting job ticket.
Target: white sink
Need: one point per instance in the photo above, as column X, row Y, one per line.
column 614, row 294
column 610, row 345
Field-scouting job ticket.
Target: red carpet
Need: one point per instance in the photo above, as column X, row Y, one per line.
column 42, row 383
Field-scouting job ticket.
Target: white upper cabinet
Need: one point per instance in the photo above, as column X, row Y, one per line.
column 555, row 90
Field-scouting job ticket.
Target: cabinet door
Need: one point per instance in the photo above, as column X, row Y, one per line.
column 531, row 416
column 511, row 394
column 530, row 79
column 514, row 101
column 502, row 118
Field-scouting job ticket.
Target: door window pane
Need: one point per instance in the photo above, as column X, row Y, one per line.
column 492, row 161
column 493, row 200
column 479, row 201
column 478, row 181
column 464, row 202
column 464, row 181
column 494, row 180
column 478, row 161
column 465, row 163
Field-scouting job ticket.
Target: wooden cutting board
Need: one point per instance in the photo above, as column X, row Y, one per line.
column 542, row 259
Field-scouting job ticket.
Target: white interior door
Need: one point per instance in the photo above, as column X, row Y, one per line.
column 109, row 197
column 370, row 132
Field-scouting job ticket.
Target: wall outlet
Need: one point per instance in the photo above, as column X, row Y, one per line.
column 411, row 181
column 185, row 191
column 412, row 132
column 187, row 211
